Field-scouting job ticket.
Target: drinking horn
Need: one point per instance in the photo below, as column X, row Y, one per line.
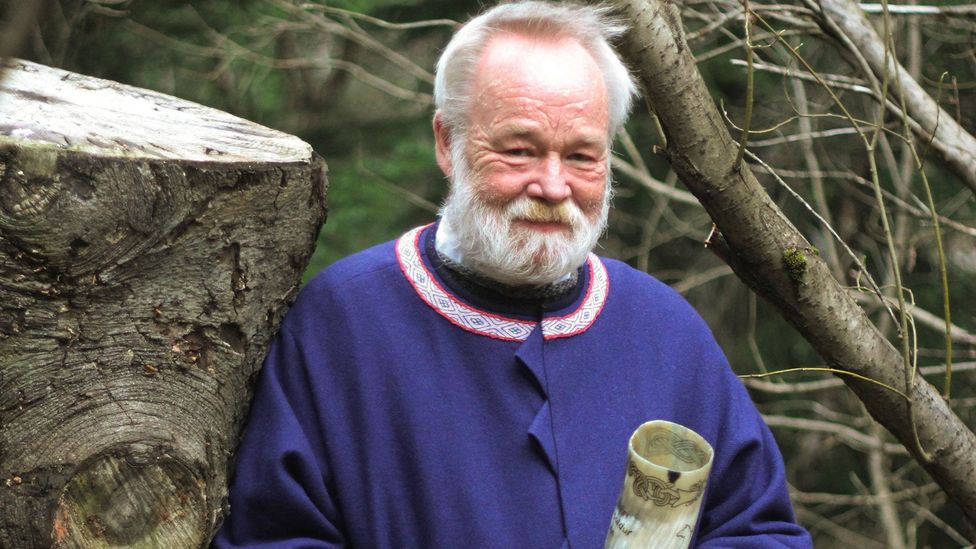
column 667, row 467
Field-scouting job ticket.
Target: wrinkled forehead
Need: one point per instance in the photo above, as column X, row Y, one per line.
column 542, row 67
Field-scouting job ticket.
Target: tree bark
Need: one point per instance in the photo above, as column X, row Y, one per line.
column 148, row 248
column 770, row 255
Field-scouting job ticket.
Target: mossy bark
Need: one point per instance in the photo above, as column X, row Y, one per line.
column 140, row 285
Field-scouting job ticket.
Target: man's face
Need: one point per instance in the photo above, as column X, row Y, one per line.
column 533, row 170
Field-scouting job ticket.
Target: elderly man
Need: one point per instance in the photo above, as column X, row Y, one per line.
column 474, row 383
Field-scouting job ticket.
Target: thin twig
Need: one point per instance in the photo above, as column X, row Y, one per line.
column 927, row 319
column 833, row 80
column 786, row 388
column 750, row 88
column 901, row 9
column 380, row 22
column 804, row 136
column 849, row 436
column 645, row 179
column 703, row 277
column 826, row 225
column 845, row 536
column 942, row 525
column 872, row 163
column 798, row 496
column 363, row 39
column 917, row 211
column 817, row 183
column 826, row 369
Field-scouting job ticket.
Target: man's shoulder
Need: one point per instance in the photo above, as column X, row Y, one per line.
column 641, row 293
column 354, row 277
column 375, row 259
column 637, row 283
column 355, row 282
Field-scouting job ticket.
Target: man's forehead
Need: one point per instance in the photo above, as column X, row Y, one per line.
column 507, row 48
column 552, row 66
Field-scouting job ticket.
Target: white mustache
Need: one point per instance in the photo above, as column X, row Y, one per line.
column 528, row 209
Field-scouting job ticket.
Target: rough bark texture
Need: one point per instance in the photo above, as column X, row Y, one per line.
column 955, row 146
column 772, row 257
column 148, row 248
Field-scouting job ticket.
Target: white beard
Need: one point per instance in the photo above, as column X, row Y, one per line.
column 488, row 241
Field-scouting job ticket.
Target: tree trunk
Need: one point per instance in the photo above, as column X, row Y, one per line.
column 148, row 248
column 770, row 255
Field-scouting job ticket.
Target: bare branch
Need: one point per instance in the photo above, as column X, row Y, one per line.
column 645, row 179
column 956, row 146
column 233, row 49
column 848, row 436
column 917, row 210
column 773, row 258
column 837, row 81
column 799, row 496
column 380, row 22
column 826, row 226
column 924, row 318
column 363, row 39
column 785, row 388
column 902, row 9
column 845, row 536
column 703, row 277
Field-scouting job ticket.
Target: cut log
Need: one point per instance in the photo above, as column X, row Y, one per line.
column 148, row 248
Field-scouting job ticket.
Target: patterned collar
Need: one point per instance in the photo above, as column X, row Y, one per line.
column 479, row 321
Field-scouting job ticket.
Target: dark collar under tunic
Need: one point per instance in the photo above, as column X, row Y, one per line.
column 402, row 407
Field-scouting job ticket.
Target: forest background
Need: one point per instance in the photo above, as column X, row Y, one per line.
column 353, row 78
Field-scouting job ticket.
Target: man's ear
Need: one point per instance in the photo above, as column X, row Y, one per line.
column 442, row 145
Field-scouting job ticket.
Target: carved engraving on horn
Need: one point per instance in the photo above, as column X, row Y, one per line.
column 659, row 504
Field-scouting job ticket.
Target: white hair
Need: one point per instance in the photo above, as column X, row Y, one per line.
column 591, row 26
column 486, row 240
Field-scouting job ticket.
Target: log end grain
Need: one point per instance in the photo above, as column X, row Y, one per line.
column 101, row 117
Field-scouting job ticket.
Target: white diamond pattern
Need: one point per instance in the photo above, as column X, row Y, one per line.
column 582, row 318
column 491, row 325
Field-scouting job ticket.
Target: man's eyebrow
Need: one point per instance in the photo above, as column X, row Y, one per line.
column 516, row 130
column 594, row 139
column 523, row 131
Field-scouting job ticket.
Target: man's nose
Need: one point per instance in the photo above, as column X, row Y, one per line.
column 550, row 184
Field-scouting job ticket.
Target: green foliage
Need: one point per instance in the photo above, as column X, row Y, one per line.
column 367, row 190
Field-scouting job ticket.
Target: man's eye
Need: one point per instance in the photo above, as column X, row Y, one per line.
column 517, row 152
column 580, row 157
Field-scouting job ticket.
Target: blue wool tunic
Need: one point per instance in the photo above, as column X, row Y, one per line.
column 396, row 410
